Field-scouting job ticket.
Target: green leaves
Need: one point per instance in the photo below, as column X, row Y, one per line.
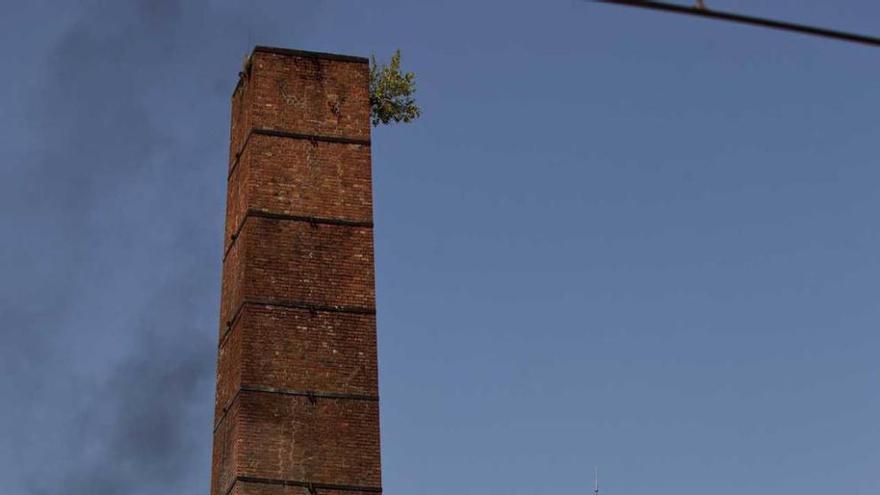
column 391, row 93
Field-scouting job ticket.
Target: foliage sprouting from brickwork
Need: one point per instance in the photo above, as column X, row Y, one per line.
column 391, row 93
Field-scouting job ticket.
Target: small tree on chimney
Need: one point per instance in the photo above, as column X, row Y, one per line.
column 391, row 93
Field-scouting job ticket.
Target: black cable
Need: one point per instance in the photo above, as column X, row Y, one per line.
column 744, row 19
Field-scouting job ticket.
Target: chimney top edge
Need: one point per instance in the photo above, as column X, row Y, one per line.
column 304, row 53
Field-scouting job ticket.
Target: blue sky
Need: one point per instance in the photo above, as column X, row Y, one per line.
column 615, row 238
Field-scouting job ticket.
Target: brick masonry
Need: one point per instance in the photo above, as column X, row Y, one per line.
column 297, row 403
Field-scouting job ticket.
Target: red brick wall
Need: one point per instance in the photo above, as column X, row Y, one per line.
column 297, row 394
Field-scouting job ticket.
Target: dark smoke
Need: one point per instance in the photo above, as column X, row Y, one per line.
column 112, row 217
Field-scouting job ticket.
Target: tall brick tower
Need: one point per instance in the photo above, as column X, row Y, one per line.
column 297, row 407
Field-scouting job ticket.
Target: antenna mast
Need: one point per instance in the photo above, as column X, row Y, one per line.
column 596, row 481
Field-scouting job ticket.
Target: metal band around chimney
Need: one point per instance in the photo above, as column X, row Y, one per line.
column 303, row 484
column 290, row 135
column 294, row 305
column 310, row 394
column 255, row 213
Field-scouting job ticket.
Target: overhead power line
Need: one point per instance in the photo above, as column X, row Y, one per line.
column 744, row 19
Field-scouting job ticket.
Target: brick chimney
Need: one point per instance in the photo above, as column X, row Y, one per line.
column 297, row 408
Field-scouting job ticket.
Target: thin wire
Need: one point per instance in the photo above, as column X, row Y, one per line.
column 754, row 21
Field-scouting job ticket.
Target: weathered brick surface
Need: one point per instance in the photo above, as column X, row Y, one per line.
column 301, row 94
column 240, row 126
column 318, row 179
column 299, row 262
column 237, row 198
column 293, row 438
column 299, row 350
column 223, row 466
column 229, row 369
column 232, row 283
column 297, row 391
column 310, row 95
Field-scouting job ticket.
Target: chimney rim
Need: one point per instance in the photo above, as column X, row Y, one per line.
column 310, row 54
